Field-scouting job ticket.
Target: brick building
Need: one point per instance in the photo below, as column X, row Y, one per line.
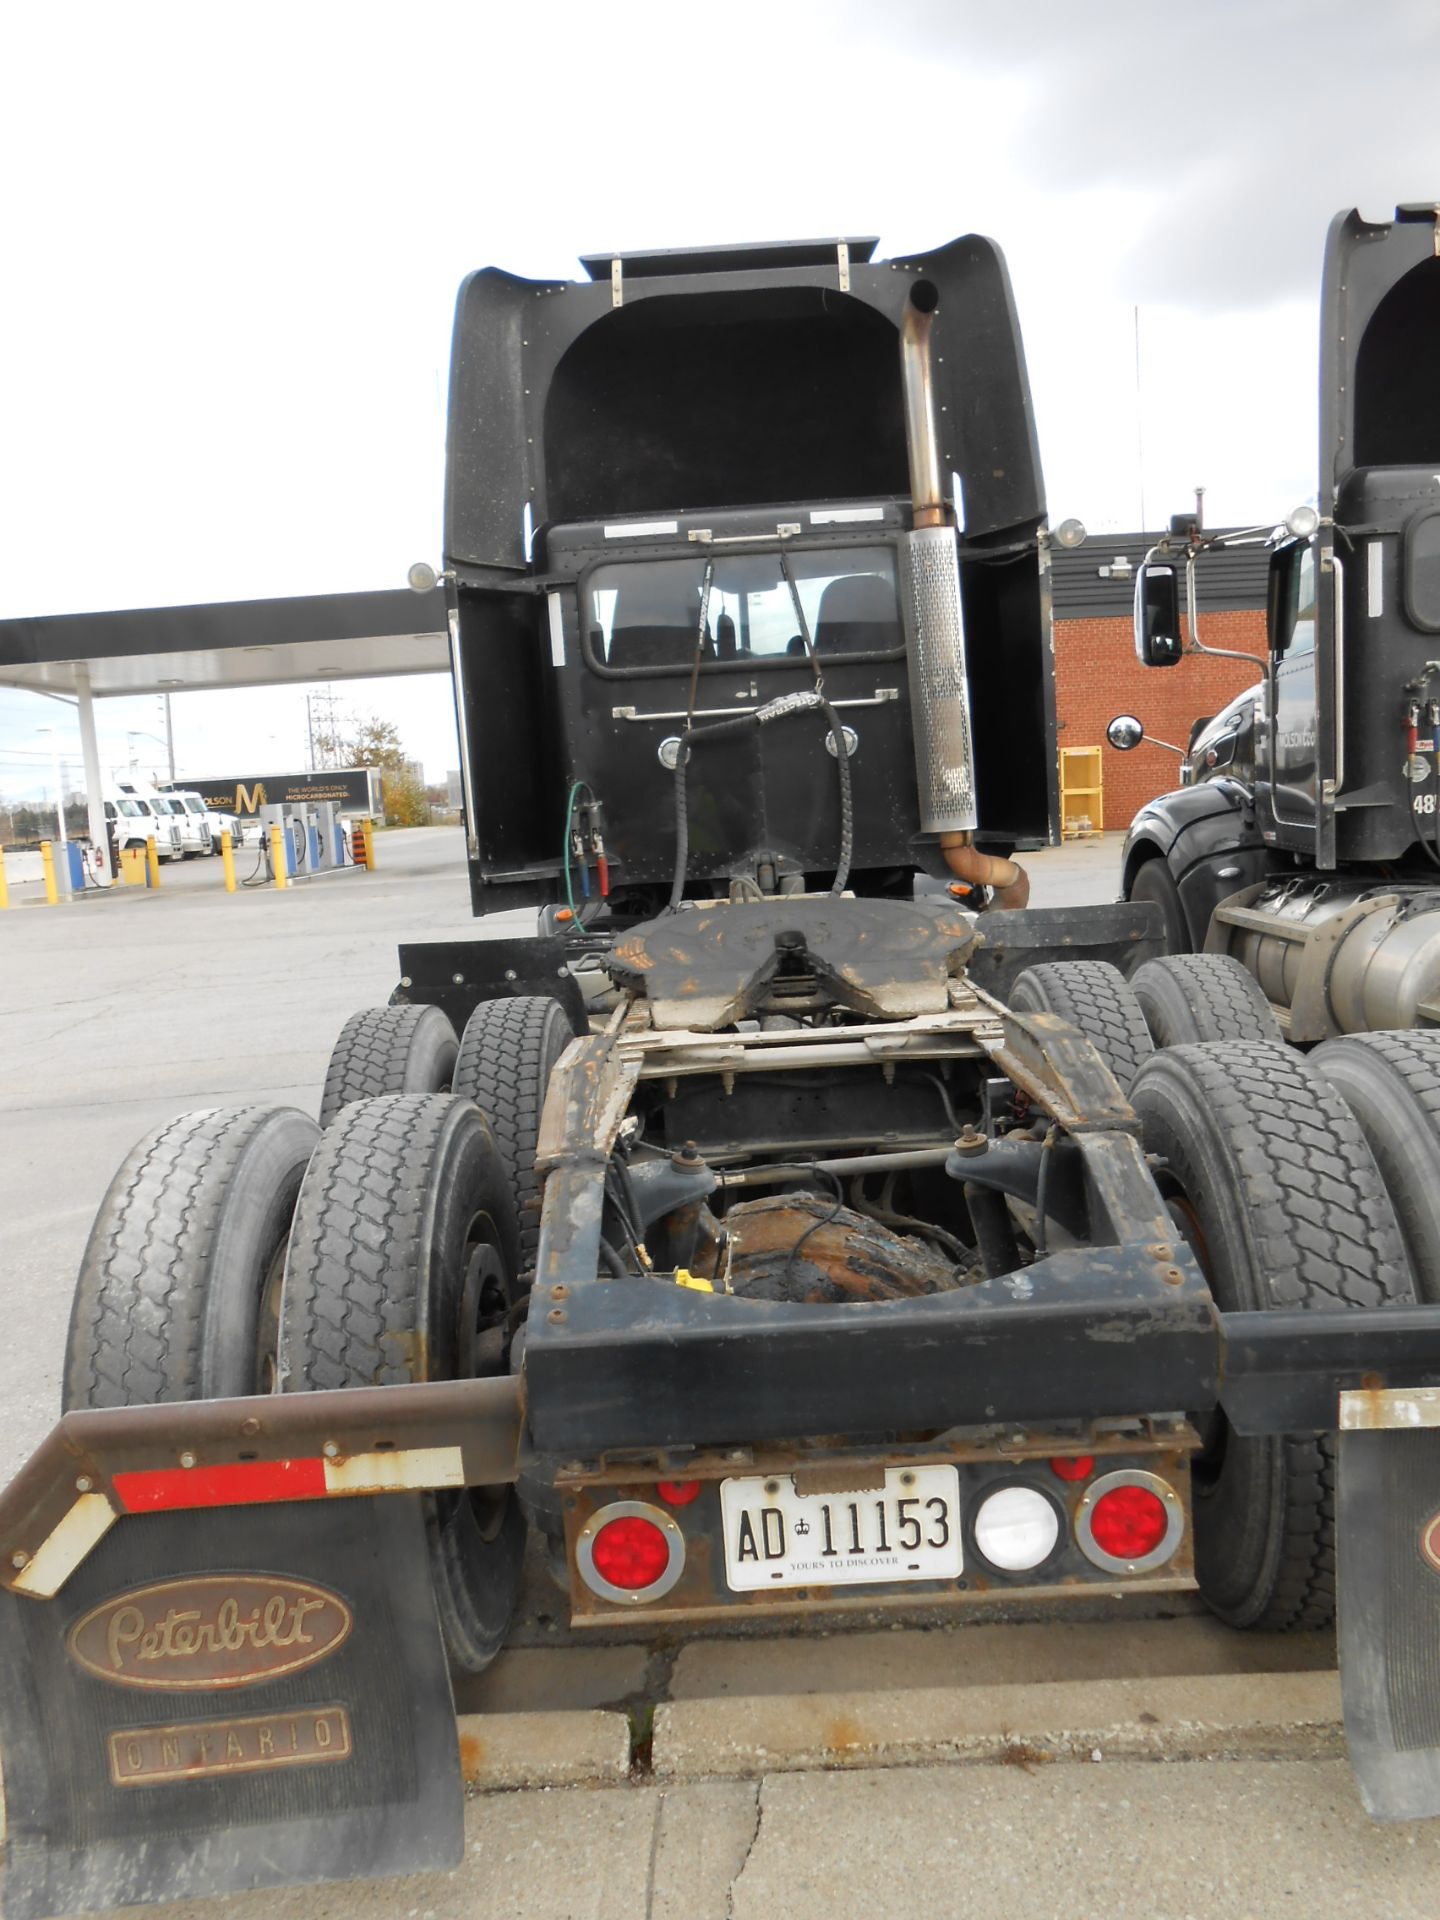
column 1098, row 676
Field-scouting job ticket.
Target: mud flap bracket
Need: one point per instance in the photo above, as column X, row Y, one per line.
column 1387, row 1527
column 226, row 1700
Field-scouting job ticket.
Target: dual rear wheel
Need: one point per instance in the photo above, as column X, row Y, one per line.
column 1297, row 1184
column 241, row 1249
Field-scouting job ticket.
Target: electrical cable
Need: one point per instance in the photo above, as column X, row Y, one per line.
column 922, row 1229
column 577, row 787
column 1042, row 1182
column 837, row 732
column 815, row 1225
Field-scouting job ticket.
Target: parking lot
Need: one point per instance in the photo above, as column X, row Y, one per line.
column 851, row 1769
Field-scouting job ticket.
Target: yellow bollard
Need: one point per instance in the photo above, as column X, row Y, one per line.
column 152, row 860
column 367, row 828
column 47, row 860
column 4, row 889
column 277, row 856
column 227, row 859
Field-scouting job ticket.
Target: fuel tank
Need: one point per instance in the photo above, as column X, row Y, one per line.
column 1337, row 958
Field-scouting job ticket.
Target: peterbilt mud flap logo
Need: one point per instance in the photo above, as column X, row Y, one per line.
column 210, row 1632
column 1430, row 1543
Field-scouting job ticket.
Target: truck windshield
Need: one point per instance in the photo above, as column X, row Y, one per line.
column 643, row 615
column 195, row 806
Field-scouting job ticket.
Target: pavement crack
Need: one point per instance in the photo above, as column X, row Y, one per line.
column 654, row 1853
column 749, row 1849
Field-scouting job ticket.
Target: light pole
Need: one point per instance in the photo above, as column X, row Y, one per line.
column 132, row 734
column 59, row 779
column 169, row 731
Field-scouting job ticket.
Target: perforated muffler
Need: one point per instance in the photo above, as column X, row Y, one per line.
column 939, row 689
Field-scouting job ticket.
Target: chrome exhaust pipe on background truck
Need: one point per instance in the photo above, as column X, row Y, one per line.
column 935, row 628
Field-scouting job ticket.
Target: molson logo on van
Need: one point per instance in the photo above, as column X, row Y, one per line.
column 214, row 1631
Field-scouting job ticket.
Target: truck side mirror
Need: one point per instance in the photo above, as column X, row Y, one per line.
column 1157, row 614
column 1124, row 732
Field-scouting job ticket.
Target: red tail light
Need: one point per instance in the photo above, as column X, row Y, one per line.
column 1129, row 1521
column 631, row 1551
column 678, row 1493
column 1076, row 1466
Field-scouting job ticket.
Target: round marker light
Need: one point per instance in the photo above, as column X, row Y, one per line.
column 1129, row 1522
column 631, row 1551
column 1016, row 1528
column 678, row 1493
column 1076, row 1466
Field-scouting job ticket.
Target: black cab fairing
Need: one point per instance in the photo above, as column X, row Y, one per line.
column 1224, row 744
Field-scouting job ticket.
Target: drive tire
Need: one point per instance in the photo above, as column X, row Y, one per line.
column 1154, row 885
column 1096, row 998
column 1268, row 1176
column 1391, row 1083
column 389, row 1050
column 507, row 1053
column 179, row 1288
column 1190, row 997
column 405, row 1224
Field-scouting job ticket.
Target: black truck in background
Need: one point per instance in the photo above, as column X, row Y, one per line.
column 1305, row 838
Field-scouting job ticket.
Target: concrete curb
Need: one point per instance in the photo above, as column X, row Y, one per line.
column 1274, row 1715
column 556, row 1749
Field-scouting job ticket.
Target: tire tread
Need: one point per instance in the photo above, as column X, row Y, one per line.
column 506, row 1053
column 372, row 1055
column 1095, row 997
column 1322, row 1235
column 136, row 1322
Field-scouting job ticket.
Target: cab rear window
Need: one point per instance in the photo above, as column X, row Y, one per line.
column 1422, row 572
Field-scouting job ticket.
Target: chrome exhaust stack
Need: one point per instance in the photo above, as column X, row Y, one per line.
column 930, row 588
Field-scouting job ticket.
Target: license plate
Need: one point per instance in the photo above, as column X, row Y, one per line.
column 776, row 1537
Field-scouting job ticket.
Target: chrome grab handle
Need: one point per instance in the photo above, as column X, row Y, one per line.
column 879, row 698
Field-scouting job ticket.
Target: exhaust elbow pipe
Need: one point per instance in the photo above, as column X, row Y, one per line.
column 1008, row 879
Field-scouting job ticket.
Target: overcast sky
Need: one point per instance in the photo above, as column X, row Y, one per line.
column 232, row 238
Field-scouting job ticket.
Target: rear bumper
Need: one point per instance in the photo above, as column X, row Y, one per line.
column 659, row 1370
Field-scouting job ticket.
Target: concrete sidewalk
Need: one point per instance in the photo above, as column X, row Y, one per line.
column 1127, row 1840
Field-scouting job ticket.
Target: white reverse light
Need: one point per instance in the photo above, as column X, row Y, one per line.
column 1016, row 1529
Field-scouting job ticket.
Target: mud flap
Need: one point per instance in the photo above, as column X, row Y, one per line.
column 225, row 1700
column 1387, row 1533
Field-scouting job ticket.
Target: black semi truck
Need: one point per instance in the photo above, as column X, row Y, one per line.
column 796, row 1221
column 1305, row 840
